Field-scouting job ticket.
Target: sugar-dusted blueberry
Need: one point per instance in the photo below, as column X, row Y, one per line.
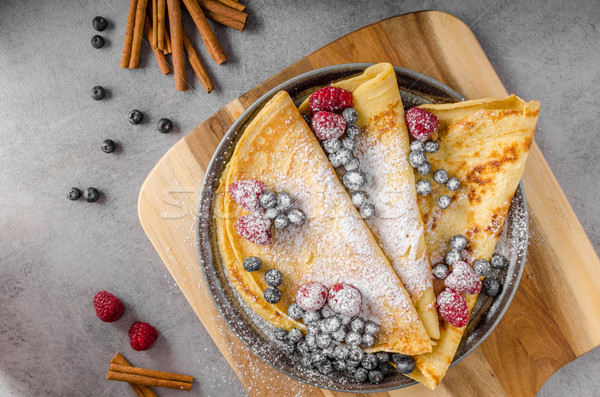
column 280, row 334
column 354, row 180
column 440, row 271
column 453, row 184
column 331, row 145
column 98, row 93
column 482, row 267
column 267, row 199
column 281, row 222
column 97, row 41
column 367, row 211
column 375, row 376
column 288, row 348
column 458, row 242
column 306, row 361
column 339, row 335
column 343, row 156
column 352, row 130
column 334, row 160
column 352, row 363
column 339, row 366
column 302, row 347
column 326, row 311
column 284, row 201
column 350, row 115
column 91, row 194
column 322, row 328
column 417, row 146
column 295, row 335
column 357, row 324
column 432, row 146
column 74, row 194
column 491, row 287
column 272, row 213
column 135, row 117
column 361, row 374
column 272, row 295
column 356, row 353
column 332, row 324
column 273, row 277
column 404, row 364
column 441, row 176
column 349, row 143
column 368, row 340
column 341, row 352
column 345, row 319
column 444, row 201
column 108, row 146
column 359, row 198
column 296, row 217
column 371, row 328
column 318, row 357
column 417, row 158
column 252, row 263
column 369, row 361
column 424, row 168
column 311, row 341
column 99, row 23
column 312, row 328
column 352, row 165
column 328, row 351
column 383, row 357
column 311, row 316
column 452, row 257
column 353, row 338
column 423, row 187
column 164, row 126
column 323, row 340
column 325, row 367
column 498, row 261
column 385, row 368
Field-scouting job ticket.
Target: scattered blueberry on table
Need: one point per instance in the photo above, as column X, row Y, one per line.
column 136, row 117
column 99, row 23
column 164, row 126
column 74, row 194
column 97, row 41
column 91, row 194
column 98, row 93
column 109, row 146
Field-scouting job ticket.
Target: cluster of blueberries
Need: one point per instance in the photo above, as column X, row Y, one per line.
column 98, row 23
column 278, row 208
column 418, row 159
column 273, row 278
column 483, row 268
column 333, row 343
column 340, row 155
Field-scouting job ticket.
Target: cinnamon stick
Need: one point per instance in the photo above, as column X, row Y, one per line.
column 151, row 373
column 149, row 377
column 197, row 65
column 160, row 56
column 224, row 20
column 174, row 9
column 126, row 55
column 233, row 4
column 154, row 40
column 138, row 32
column 161, row 24
column 216, row 7
column 208, row 36
column 140, row 390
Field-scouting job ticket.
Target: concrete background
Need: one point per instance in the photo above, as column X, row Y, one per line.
column 55, row 254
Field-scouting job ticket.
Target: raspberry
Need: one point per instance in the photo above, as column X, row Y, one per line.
column 344, row 299
column 311, row 296
column 142, row 336
column 108, row 307
column 328, row 125
column 463, row 279
column 330, row 99
column 452, row 306
column 255, row 228
column 246, row 193
column 421, row 123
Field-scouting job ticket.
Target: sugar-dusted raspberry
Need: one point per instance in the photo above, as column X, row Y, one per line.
column 311, row 296
column 452, row 307
column 421, row 123
column 345, row 299
column 328, row 125
column 330, row 99
column 142, row 336
column 246, row 192
column 108, row 307
column 255, row 228
column 463, row 279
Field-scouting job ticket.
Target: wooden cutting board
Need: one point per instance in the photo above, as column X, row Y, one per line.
column 554, row 316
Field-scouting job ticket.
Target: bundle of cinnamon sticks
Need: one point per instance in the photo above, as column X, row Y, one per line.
column 160, row 20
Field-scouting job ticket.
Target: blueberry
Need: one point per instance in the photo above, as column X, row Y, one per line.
column 339, row 335
column 339, row 366
column 375, row 376
column 91, row 194
column 326, row 312
column 332, row 324
column 325, row 367
column 331, row 145
column 295, row 311
column 441, row 176
column 371, row 328
column 99, row 23
column 252, row 264
column 302, row 348
column 323, row 340
column 352, row 130
column 306, row 361
column 135, row 117
column 452, row 257
column 322, row 328
column 296, row 217
column 444, row 201
column 164, row 126
column 491, row 287
column 383, row 357
column 273, row 277
column 440, row 271
column 349, row 143
column 424, row 168
column 352, row 165
column 74, row 194
column 288, row 348
column 280, row 334
column 357, row 324
column 267, row 199
column 404, row 364
column 458, row 242
column 416, row 146
column 423, row 187
column 334, row 160
column 417, row 158
column 328, row 351
column 453, row 184
column 295, row 335
column 108, row 146
column 281, row 222
column 306, row 118
column 352, row 363
column 356, row 353
column 359, row 198
column 367, row 211
column 318, row 357
column 432, row 146
column 97, row 41
column 272, row 213
column 98, row 93
column 498, row 261
column 354, row 180
column 350, row 115
column 272, row 295
column 344, row 319
column 284, row 201
column 311, row 316
column 369, row 361
column 482, row 267
column 341, row 352
column 368, row 340
column 343, row 156
column 361, row 374
column 385, row 368
column 311, row 341
column 353, row 338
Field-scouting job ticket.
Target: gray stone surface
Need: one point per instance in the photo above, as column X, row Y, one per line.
column 55, row 254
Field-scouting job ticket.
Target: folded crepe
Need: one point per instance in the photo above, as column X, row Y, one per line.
column 485, row 144
column 333, row 246
column 382, row 148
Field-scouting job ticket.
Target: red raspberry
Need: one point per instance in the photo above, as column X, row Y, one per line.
column 311, row 296
column 142, row 336
column 246, row 193
column 255, row 228
column 328, row 125
column 330, row 99
column 345, row 299
column 108, row 307
column 463, row 279
column 421, row 123
column 452, row 306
